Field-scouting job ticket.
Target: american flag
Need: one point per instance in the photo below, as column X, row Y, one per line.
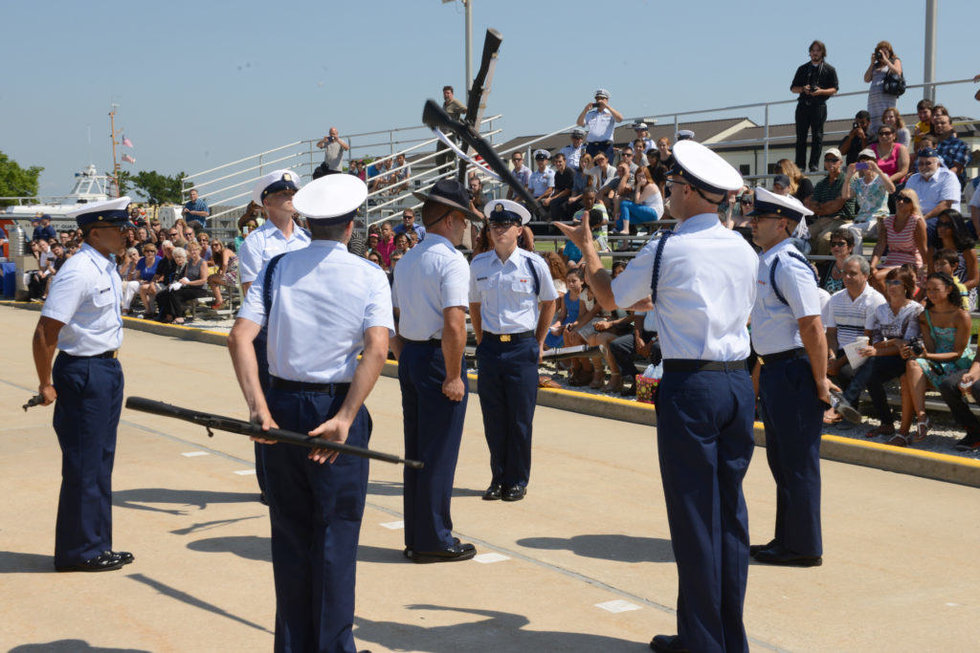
column 128, row 159
column 127, row 142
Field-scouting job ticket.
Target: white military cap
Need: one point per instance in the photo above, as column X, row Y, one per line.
column 506, row 210
column 274, row 181
column 332, row 199
column 542, row 154
column 105, row 212
column 640, row 125
column 786, row 206
column 704, row 169
column 683, row 135
column 601, row 92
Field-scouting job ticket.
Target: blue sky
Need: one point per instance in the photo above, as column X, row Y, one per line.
column 202, row 83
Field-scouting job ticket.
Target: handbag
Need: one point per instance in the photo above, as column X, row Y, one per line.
column 893, row 84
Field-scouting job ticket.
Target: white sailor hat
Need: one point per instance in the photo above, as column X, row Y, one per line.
column 542, row 154
column 684, row 135
column 785, row 206
column 577, row 132
column 639, row 125
column 505, row 211
column 274, row 181
column 704, row 169
column 105, row 212
column 333, row 199
column 601, row 92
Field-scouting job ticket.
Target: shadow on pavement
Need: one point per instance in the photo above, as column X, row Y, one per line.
column 71, row 646
column 15, row 562
column 185, row 498
column 193, row 601
column 621, row 548
column 250, row 547
column 394, row 489
column 499, row 632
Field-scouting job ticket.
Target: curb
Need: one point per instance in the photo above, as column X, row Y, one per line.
column 926, row 464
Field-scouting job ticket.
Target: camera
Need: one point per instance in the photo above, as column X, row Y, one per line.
column 854, row 125
column 877, row 56
column 917, row 346
column 861, row 166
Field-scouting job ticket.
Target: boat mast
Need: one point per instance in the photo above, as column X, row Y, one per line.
column 112, row 137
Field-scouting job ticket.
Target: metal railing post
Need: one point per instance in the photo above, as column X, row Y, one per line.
column 765, row 156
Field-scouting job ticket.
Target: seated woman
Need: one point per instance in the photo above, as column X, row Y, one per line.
column 619, row 323
column 841, row 246
column 871, row 186
column 888, row 329
column 227, row 272
column 130, row 276
column 647, row 204
column 903, row 236
column 573, row 318
column 147, row 268
column 945, row 328
column 952, row 232
column 188, row 284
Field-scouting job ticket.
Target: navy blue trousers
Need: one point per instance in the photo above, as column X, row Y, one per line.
column 433, row 430
column 262, row 356
column 316, row 515
column 793, row 417
column 86, row 415
column 508, row 389
column 704, row 436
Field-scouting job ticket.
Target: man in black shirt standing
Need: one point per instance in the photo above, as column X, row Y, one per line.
column 814, row 82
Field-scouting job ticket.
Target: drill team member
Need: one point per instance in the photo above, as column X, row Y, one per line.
column 506, row 285
column 323, row 306
column 82, row 318
column 701, row 281
column 793, row 387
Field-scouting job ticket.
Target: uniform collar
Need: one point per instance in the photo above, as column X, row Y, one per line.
column 98, row 259
column 699, row 222
column 274, row 230
column 778, row 248
column 513, row 258
column 435, row 239
column 332, row 245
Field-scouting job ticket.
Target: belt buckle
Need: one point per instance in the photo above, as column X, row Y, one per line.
column 115, row 353
column 505, row 337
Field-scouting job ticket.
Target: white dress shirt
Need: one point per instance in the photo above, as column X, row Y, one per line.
column 774, row 324
column 323, row 300
column 85, row 296
column 431, row 277
column 505, row 290
column 601, row 125
column 264, row 243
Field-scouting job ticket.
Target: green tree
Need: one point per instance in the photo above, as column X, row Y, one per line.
column 153, row 186
column 16, row 181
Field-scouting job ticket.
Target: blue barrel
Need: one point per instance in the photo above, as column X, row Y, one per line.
column 8, row 279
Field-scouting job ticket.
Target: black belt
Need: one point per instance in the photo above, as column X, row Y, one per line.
column 303, row 386
column 106, row 354
column 431, row 342
column 507, row 337
column 789, row 354
column 694, row 365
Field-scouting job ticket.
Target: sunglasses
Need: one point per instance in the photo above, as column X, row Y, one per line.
column 838, row 243
column 903, row 199
column 894, row 282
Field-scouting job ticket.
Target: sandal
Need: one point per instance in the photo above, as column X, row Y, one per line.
column 598, row 379
column 899, row 440
column 548, row 382
column 615, row 383
column 880, row 430
column 217, row 306
column 922, row 429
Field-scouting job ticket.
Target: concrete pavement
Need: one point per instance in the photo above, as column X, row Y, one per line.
column 898, row 574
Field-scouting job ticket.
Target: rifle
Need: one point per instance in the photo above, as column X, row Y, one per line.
column 36, row 400
column 480, row 89
column 211, row 421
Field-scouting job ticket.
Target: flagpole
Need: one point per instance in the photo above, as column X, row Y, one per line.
column 112, row 137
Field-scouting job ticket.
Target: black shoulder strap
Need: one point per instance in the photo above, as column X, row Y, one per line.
column 656, row 265
column 267, row 285
column 772, row 273
column 534, row 275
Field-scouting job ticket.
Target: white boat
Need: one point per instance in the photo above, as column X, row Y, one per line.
column 89, row 186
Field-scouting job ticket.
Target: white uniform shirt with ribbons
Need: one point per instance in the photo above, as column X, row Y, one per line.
column 85, row 296
column 323, row 299
column 705, row 293
column 506, row 292
column 572, row 155
column 264, row 243
column 774, row 324
column 540, row 182
column 430, row 278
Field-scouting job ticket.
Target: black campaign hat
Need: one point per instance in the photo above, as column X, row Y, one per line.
column 452, row 194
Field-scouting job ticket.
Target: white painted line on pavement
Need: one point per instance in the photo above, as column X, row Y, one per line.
column 193, row 454
column 245, row 472
column 618, row 605
column 393, row 525
column 487, row 558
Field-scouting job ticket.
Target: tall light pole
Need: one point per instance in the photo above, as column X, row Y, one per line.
column 929, row 67
column 468, row 6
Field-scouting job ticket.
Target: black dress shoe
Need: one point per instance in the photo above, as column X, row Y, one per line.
column 514, row 493
column 668, row 644
column 125, row 557
column 755, row 548
column 493, row 492
column 408, row 553
column 458, row 551
column 105, row 561
column 628, row 391
column 779, row 555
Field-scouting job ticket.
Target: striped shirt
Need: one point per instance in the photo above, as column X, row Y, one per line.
column 849, row 316
column 901, row 244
